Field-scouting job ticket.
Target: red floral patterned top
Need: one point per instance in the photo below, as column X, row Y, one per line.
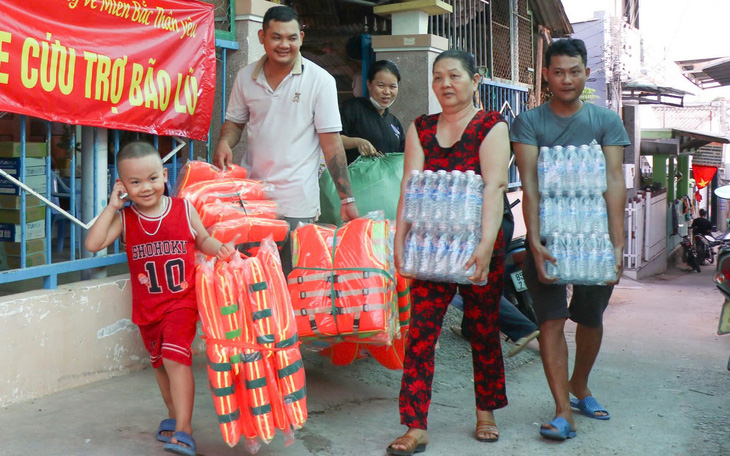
column 464, row 154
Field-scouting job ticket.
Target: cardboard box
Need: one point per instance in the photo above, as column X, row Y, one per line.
column 32, row 214
column 37, row 183
column 33, row 166
column 13, row 248
column 13, row 262
column 10, row 232
column 32, row 149
column 13, row 201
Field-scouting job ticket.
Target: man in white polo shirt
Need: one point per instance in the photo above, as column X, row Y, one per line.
column 290, row 106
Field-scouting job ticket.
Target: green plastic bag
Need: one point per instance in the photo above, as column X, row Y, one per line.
column 375, row 185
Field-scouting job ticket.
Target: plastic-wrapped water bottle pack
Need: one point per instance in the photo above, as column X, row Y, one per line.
column 445, row 209
column 573, row 217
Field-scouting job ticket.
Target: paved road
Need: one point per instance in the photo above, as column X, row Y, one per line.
column 662, row 375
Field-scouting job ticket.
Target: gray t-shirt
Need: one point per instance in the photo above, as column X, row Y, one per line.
column 592, row 124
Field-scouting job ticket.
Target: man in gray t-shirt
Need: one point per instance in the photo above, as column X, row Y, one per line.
column 565, row 120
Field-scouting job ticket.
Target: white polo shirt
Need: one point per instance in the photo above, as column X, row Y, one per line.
column 283, row 124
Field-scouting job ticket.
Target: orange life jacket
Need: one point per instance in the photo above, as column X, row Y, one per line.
column 349, row 292
column 390, row 356
column 219, row 212
column 225, row 190
column 251, row 231
column 194, row 171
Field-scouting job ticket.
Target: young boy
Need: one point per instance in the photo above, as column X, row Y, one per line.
column 161, row 234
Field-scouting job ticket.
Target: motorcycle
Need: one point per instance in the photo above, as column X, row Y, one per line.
column 515, row 289
column 722, row 280
column 689, row 254
column 705, row 248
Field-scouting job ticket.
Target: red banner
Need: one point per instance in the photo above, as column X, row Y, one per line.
column 141, row 65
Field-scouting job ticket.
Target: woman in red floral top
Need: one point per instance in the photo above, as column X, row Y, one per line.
column 461, row 137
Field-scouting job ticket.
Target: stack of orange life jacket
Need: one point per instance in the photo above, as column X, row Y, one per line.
column 230, row 205
column 341, row 285
column 254, row 364
column 194, row 171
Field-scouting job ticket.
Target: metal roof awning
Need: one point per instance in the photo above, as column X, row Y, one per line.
column 670, row 141
column 551, row 14
column 706, row 73
column 647, row 93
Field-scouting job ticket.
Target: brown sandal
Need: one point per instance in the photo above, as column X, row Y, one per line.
column 487, row 427
column 410, row 443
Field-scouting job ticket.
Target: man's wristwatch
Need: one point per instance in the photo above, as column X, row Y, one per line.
column 348, row 200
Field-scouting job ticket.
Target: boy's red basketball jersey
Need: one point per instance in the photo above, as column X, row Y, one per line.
column 161, row 256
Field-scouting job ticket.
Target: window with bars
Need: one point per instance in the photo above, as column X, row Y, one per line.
column 225, row 23
column 466, row 28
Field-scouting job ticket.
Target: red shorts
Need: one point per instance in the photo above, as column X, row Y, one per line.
column 171, row 337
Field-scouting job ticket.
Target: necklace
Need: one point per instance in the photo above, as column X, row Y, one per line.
column 159, row 221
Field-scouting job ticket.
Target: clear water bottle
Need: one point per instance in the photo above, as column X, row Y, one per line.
column 470, row 244
column 572, row 221
column 600, row 167
column 581, row 258
column 442, row 253
column 593, row 273
column 425, row 209
column 585, row 214
column 411, row 197
column 472, row 194
column 441, row 195
column 457, row 191
column 425, row 252
column 553, row 249
column 600, row 217
column 542, row 210
column 584, row 170
column 410, row 251
column 572, row 161
column 566, row 266
column 561, row 214
column 456, row 267
column 608, row 260
column 543, row 169
column 557, row 171
column 480, row 202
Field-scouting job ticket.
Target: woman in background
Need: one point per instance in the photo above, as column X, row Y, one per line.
column 368, row 128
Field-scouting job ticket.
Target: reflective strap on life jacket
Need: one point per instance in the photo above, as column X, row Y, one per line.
column 326, row 276
column 362, row 308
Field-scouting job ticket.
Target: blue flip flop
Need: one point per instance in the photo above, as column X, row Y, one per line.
column 564, row 431
column 589, row 406
column 167, row 425
column 186, row 439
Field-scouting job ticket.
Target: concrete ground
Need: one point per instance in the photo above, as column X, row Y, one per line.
column 661, row 373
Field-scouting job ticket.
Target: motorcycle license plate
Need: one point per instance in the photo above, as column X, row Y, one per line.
column 724, row 327
column 519, row 281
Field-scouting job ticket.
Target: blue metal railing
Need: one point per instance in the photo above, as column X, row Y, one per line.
column 54, row 266
column 510, row 100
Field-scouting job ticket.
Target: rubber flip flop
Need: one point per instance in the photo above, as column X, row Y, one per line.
column 589, row 406
column 167, row 425
column 563, row 430
column 185, row 439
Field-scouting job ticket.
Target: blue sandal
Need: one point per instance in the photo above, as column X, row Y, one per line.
column 182, row 438
column 167, row 425
column 588, row 406
column 563, row 432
